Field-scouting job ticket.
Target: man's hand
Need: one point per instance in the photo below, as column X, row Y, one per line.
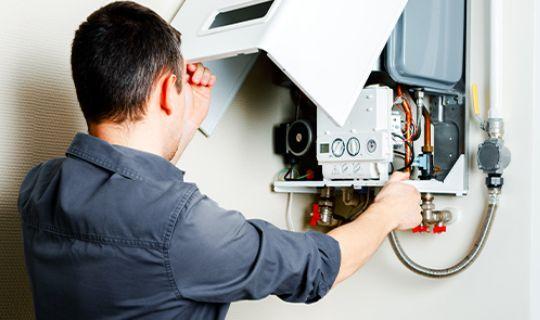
column 198, row 88
column 397, row 206
column 400, row 202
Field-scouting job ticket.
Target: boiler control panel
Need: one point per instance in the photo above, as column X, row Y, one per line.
column 363, row 147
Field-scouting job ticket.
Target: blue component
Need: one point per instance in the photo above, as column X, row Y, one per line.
column 421, row 161
column 426, row 49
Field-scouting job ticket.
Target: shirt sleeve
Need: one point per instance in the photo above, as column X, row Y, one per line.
column 218, row 256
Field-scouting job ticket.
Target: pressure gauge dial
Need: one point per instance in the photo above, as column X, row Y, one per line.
column 353, row 147
column 371, row 145
column 338, row 148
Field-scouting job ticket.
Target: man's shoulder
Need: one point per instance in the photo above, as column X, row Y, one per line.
column 45, row 167
column 79, row 199
column 38, row 173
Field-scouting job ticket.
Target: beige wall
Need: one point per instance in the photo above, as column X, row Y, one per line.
column 535, row 225
column 38, row 115
column 235, row 166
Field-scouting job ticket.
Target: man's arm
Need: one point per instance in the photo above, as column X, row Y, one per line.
column 397, row 206
column 218, row 256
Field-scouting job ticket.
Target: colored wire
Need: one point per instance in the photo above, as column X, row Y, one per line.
column 290, row 172
column 409, row 150
column 407, row 101
column 408, row 146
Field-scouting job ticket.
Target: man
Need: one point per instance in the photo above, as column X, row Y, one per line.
column 112, row 231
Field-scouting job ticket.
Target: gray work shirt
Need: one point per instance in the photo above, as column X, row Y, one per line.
column 115, row 233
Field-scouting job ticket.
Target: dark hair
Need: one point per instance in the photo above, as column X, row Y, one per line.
column 117, row 54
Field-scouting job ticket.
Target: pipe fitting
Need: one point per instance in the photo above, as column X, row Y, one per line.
column 326, row 208
column 495, row 128
column 494, row 195
column 432, row 217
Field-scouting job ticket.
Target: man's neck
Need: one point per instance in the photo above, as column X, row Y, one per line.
column 140, row 136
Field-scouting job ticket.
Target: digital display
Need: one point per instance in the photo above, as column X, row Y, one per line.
column 244, row 14
column 325, row 147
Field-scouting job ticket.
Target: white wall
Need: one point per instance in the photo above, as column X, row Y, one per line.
column 535, row 225
column 39, row 116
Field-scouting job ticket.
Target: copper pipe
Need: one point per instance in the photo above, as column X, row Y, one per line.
column 408, row 123
column 427, row 148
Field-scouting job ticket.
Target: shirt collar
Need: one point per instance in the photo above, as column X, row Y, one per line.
column 131, row 163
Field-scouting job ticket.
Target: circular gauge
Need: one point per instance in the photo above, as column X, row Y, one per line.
column 371, row 145
column 338, row 148
column 353, row 146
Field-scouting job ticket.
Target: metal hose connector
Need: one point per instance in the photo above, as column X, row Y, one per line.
column 471, row 256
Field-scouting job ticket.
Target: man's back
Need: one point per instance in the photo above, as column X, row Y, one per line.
column 97, row 238
column 114, row 233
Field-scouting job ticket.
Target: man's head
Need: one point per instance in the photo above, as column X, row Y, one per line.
column 128, row 68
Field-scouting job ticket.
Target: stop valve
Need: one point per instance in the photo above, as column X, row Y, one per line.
column 315, row 215
column 420, row 229
column 439, row 229
column 437, row 219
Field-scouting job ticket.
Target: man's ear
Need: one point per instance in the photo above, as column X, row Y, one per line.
column 169, row 93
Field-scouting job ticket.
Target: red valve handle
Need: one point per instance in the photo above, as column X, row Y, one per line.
column 316, row 215
column 439, row 229
column 420, row 229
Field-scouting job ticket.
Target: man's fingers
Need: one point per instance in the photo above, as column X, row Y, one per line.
column 399, row 176
column 200, row 75
column 206, row 77
column 197, row 74
column 192, row 67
